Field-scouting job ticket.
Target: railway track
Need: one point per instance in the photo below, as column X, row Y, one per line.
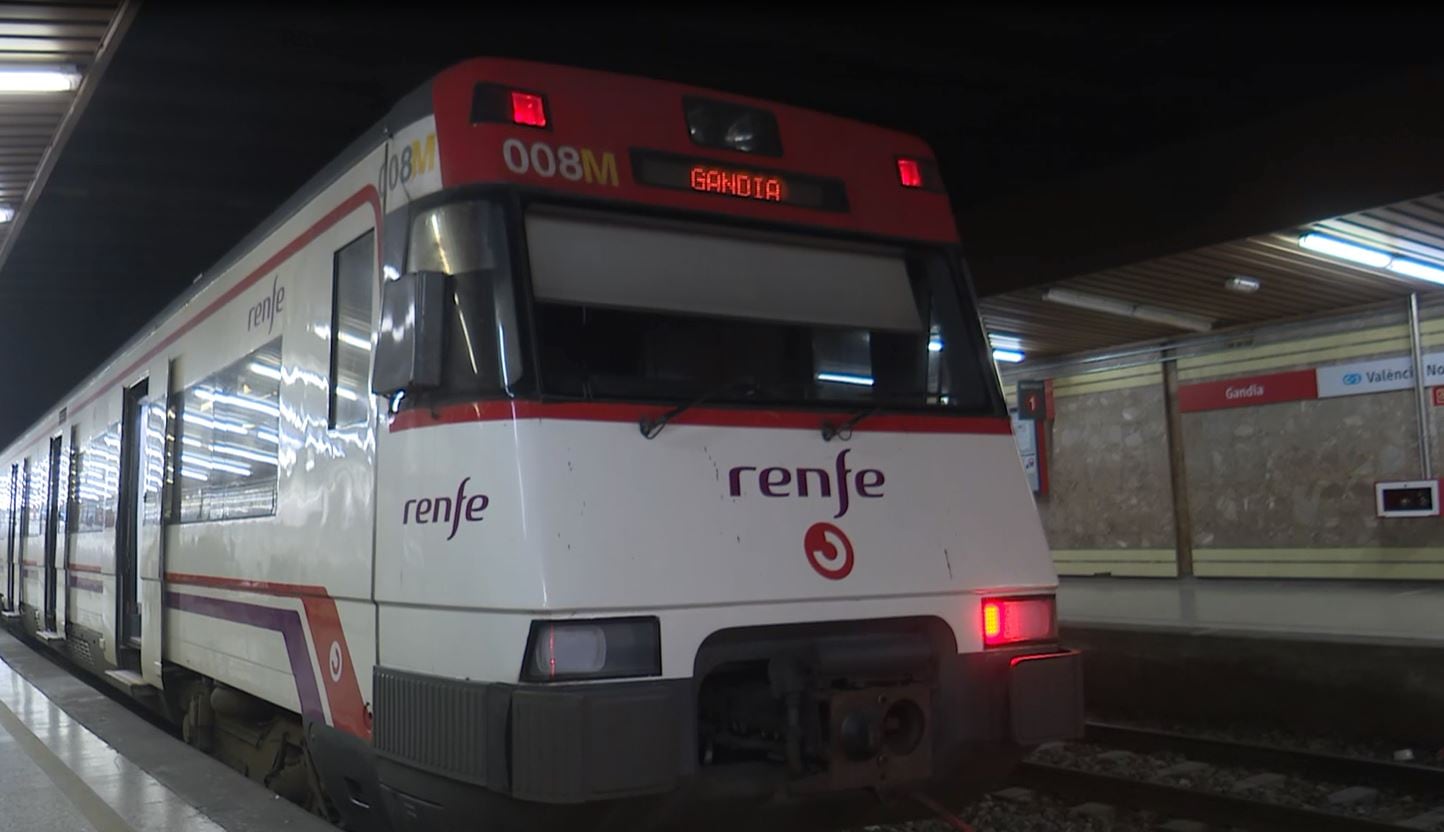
column 1307, row 763
column 1253, row 786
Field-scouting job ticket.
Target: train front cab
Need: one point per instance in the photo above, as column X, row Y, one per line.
column 797, row 694
column 729, row 525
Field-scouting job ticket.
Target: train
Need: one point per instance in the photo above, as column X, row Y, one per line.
column 575, row 450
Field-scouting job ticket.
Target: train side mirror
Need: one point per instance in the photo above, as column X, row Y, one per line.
column 409, row 345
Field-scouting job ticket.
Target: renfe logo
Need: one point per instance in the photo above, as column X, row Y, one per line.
column 828, row 550
column 804, row 482
column 445, row 509
column 265, row 312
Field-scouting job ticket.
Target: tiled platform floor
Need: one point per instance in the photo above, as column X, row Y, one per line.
column 72, row 759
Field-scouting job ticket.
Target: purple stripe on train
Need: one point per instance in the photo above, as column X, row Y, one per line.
column 87, row 584
column 285, row 622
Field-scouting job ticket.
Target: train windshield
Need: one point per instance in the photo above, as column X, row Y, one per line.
column 626, row 310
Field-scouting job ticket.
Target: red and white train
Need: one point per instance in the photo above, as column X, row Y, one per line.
column 575, row 451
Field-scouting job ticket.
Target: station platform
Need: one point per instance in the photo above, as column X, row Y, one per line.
column 73, row 758
column 1378, row 612
column 1335, row 658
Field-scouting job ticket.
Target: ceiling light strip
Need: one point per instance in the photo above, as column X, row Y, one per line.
column 1375, row 258
column 1128, row 309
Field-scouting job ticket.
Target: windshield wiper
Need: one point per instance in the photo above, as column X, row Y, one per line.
column 843, row 429
column 830, row 431
column 651, row 427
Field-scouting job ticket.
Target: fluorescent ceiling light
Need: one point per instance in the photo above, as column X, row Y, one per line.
column 38, row 79
column 1413, row 268
column 1243, row 284
column 935, row 344
column 1005, row 342
column 1128, row 309
column 1008, row 356
column 1335, row 247
column 7, row 213
column 1371, row 257
column 845, row 378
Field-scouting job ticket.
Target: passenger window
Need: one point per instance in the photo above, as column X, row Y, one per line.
column 38, row 489
column 98, row 482
column 229, row 436
column 97, row 493
column 352, row 279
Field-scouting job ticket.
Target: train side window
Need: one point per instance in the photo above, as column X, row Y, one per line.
column 97, row 492
column 351, row 287
column 229, row 441
column 38, row 492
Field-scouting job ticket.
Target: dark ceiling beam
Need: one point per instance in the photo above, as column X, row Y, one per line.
column 1370, row 146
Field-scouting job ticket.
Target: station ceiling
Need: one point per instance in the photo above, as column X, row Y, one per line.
column 61, row 49
column 1048, row 122
column 1292, row 282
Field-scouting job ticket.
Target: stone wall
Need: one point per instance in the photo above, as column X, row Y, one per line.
column 1109, row 472
column 1302, row 474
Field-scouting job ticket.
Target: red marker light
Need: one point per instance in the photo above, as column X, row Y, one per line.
column 909, row 174
column 528, row 109
column 992, row 620
column 1018, row 620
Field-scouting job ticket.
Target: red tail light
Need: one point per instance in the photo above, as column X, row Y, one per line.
column 1018, row 620
column 909, row 174
column 529, row 109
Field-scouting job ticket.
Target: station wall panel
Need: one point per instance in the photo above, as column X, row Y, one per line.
column 1301, row 474
column 1109, row 506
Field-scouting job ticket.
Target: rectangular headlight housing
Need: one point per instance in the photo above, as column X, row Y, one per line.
column 728, row 126
column 599, row 648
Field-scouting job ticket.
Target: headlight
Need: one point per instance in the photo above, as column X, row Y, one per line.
column 604, row 648
column 728, row 126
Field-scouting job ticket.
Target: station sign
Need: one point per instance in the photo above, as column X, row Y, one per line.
column 1375, row 375
column 1378, row 375
column 1295, row 385
column 1032, row 401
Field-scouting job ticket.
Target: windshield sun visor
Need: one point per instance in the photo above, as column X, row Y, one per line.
column 607, row 264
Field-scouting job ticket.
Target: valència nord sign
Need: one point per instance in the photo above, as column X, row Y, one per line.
column 1378, row 375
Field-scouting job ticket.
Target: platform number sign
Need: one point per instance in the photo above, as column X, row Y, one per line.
column 1032, row 401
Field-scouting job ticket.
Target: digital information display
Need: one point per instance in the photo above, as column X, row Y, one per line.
column 715, row 180
column 666, row 170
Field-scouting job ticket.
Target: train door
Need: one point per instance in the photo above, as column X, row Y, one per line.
column 13, row 522
column 52, row 521
column 65, row 526
column 127, row 575
column 150, row 462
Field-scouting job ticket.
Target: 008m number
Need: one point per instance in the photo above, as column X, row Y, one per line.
column 570, row 163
